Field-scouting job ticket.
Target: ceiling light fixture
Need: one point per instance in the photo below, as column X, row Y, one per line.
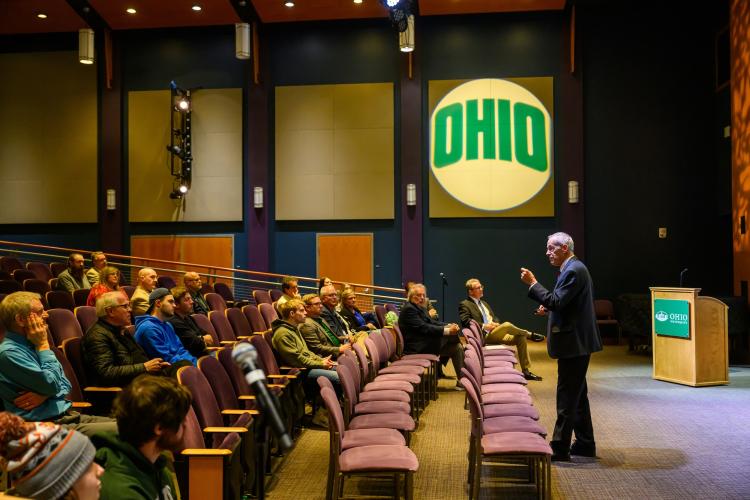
column 406, row 38
column 131, row 10
column 42, row 15
column 357, row 1
column 289, row 3
column 86, row 46
column 197, row 8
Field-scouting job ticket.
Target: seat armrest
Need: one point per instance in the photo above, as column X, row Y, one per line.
column 240, row 412
column 238, row 430
column 206, row 452
column 81, row 404
column 245, row 397
column 102, row 389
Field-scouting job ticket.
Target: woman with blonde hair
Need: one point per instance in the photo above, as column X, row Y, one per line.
column 109, row 281
column 351, row 313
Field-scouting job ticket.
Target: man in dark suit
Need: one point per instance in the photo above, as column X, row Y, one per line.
column 424, row 334
column 495, row 332
column 572, row 335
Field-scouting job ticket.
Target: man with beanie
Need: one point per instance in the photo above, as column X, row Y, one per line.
column 46, row 461
column 32, row 382
column 157, row 337
column 150, row 413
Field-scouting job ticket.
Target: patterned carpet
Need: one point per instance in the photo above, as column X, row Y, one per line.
column 655, row 440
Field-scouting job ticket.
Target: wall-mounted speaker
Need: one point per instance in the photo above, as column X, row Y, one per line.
column 242, row 40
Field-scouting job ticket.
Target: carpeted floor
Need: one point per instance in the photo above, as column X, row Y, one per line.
column 655, row 440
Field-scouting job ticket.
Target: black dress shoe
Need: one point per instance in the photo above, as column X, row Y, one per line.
column 535, row 337
column 560, row 457
column 580, row 450
column 531, row 376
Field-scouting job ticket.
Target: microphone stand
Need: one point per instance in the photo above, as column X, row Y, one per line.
column 444, row 280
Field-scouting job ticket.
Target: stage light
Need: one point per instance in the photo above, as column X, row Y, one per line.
column 86, row 46
column 183, row 188
column 183, row 104
column 391, row 3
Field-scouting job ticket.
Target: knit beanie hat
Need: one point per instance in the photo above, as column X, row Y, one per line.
column 43, row 460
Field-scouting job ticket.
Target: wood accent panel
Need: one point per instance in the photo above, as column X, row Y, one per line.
column 347, row 258
column 739, row 33
column 209, row 250
column 442, row 7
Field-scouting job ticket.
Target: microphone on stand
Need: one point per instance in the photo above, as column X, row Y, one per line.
column 682, row 276
column 444, row 278
column 245, row 355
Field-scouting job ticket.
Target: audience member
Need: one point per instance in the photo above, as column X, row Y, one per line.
column 495, row 332
column 98, row 262
column 324, row 281
column 351, row 313
column 290, row 288
column 157, row 337
column 73, row 278
column 146, row 283
column 330, row 299
column 112, row 356
column 193, row 283
column 427, row 305
column 293, row 351
column 192, row 337
column 46, row 461
column 151, row 415
column 424, row 334
column 32, row 382
column 316, row 333
column 109, row 281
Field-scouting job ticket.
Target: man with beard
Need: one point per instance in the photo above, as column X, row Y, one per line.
column 150, row 413
column 157, row 337
column 73, row 278
column 192, row 337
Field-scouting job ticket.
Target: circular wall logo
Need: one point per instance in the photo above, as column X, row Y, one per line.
column 661, row 316
column 490, row 144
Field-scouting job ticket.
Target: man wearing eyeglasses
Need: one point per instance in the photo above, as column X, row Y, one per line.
column 193, row 283
column 98, row 262
column 496, row 332
column 572, row 335
column 316, row 332
column 112, row 356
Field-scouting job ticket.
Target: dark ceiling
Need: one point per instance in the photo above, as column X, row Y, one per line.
column 22, row 16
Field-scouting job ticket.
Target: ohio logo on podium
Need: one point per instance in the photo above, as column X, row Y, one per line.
column 672, row 318
column 491, row 144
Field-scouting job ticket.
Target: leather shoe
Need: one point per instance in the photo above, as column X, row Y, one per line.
column 560, row 457
column 580, row 450
column 531, row 376
column 535, row 337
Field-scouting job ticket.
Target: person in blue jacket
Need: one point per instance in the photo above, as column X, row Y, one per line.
column 157, row 337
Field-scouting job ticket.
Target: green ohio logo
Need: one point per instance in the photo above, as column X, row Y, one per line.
column 490, row 144
column 672, row 317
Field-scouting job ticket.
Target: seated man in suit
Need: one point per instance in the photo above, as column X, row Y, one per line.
column 424, row 334
column 495, row 332
column 318, row 336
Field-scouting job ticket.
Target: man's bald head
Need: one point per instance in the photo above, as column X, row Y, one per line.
column 147, row 279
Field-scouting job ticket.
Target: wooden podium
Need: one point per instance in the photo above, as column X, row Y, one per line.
column 703, row 357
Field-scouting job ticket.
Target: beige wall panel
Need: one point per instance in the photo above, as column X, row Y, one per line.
column 312, row 192
column 216, row 192
column 443, row 204
column 335, row 141
column 360, row 202
column 364, row 150
column 367, row 105
column 305, row 152
column 48, row 139
column 308, row 107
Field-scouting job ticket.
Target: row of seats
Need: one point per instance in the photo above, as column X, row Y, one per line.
column 504, row 422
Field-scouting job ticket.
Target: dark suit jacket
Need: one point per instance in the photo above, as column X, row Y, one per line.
column 339, row 326
column 422, row 334
column 468, row 310
column 352, row 320
column 571, row 327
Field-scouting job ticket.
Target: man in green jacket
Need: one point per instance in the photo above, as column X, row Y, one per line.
column 150, row 414
column 293, row 350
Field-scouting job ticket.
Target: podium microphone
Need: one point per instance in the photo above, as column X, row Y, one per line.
column 682, row 276
column 444, row 278
column 245, row 355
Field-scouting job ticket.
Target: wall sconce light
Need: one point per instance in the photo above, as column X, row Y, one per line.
column 86, row 46
column 411, row 195
column 573, row 192
column 111, row 199
column 406, row 37
column 242, row 41
column 257, row 197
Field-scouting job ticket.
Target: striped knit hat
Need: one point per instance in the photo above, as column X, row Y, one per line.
column 43, row 459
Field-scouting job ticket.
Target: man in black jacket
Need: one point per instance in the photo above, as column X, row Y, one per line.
column 192, row 337
column 424, row 334
column 111, row 355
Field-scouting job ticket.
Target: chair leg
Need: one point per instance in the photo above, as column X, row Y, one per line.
column 409, row 486
column 477, row 482
column 338, row 486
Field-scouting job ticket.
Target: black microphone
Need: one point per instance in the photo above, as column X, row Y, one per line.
column 444, row 277
column 682, row 276
column 245, row 355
